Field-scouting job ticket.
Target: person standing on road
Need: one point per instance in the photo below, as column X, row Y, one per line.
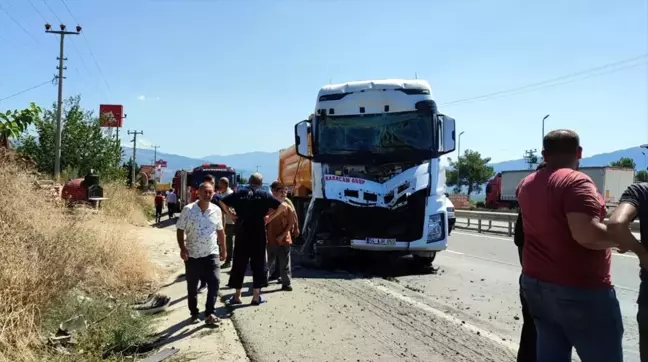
column 566, row 259
column 230, row 228
column 159, row 204
column 527, row 348
column 202, row 223
column 633, row 204
column 172, row 203
column 251, row 206
column 279, row 238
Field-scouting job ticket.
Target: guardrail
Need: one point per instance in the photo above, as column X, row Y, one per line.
column 503, row 217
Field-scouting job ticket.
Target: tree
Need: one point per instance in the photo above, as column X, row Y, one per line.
column 85, row 145
column 14, row 123
column 241, row 180
column 470, row 170
column 127, row 169
column 624, row 162
column 642, row 176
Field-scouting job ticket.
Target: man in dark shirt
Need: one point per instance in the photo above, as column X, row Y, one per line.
column 527, row 348
column 633, row 204
column 251, row 206
column 566, row 259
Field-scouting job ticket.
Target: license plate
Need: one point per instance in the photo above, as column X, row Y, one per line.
column 381, row 241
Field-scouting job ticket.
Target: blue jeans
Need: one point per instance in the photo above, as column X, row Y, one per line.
column 584, row 318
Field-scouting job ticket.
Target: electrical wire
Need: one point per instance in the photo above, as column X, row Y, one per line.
column 53, row 12
column 51, row 81
column 37, row 11
column 568, row 78
column 94, row 58
column 18, row 23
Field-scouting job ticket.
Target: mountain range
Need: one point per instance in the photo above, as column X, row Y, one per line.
column 267, row 163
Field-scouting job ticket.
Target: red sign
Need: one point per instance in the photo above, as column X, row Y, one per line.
column 111, row 115
column 161, row 163
column 148, row 170
column 344, row 179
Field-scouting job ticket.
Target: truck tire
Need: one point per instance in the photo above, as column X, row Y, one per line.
column 424, row 262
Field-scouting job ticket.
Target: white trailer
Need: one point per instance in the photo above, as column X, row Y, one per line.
column 510, row 181
column 610, row 182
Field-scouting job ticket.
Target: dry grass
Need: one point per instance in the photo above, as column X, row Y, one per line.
column 127, row 204
column 47, row 252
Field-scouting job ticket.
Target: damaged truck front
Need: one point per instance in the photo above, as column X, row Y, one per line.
column 378, row 183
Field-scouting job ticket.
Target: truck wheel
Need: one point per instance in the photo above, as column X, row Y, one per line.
column 424, row 262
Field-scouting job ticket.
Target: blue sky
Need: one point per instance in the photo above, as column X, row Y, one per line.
column 222, row 77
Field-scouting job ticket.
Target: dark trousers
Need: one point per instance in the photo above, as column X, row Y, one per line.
column 527, row 348
column 171, row 208
column 587, row 319
column 230, row 232
column 642, row 319
column 250, row 247
column 158, row 212
column 279, row 261
column 207, row 269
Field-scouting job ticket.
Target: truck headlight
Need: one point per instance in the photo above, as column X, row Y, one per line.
column 435, row 229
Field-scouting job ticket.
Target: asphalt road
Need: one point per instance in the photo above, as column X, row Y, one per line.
column 383, row 311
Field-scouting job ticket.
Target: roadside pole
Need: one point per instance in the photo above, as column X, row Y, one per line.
column 134, row 133
column 59, row 107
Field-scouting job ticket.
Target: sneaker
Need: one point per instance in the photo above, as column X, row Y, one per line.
column 287, row 288
column 226, row 265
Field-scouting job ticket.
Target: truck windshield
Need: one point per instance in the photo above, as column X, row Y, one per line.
column 375, row 133
column 198, row 176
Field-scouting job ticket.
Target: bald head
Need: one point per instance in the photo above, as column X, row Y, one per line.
column 256, row 179
column 561, row 148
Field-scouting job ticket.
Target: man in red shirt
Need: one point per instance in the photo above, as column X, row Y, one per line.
column 566, row 259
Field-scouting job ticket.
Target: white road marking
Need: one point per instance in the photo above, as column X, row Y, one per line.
column 454, row 252
column 441, row 314
column 627, row 255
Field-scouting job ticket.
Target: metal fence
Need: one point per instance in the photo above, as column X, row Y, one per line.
column 498, row 222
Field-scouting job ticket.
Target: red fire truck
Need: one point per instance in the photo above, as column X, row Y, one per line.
column 186, row 182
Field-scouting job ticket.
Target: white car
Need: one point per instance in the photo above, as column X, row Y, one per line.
column 450, row 210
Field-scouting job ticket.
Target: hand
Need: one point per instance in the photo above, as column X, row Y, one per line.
column 223, row 256
column 234, row 217
column 184, row 254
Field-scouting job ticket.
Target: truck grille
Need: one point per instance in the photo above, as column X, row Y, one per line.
column 404, row 223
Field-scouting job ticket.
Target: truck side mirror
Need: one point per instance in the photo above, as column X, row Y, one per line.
column 302, row 133
column 448, row 142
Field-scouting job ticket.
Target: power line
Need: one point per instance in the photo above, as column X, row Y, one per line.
column 89, row 48
column 17, row 23
column 51, row 81
column 53, row 12
column 37, row 11
column 538, row 85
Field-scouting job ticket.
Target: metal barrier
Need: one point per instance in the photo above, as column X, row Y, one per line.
column 503, row 217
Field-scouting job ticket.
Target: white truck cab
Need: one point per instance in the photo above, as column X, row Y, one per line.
column 378, row 183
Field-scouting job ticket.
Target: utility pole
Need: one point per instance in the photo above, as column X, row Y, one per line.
column 531, row 158
column 155, row 161
column 257, row 168
column 458, row 163
column 134, row 133
column 59, row 107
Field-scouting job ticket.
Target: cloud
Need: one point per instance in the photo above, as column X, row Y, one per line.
column 145, row 98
